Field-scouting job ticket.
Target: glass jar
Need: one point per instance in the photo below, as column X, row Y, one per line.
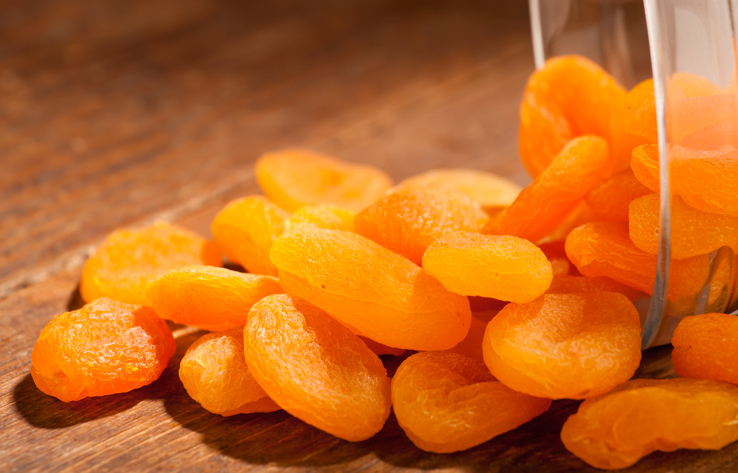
column 694, row 159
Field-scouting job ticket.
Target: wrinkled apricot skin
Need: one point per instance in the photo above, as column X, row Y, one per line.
column 706, row 347
column 565, row 345
column 610, row 199
column 316, row 369
column 488, row 190
column 569, row 97
column 546, row 203
column 322, row 215
column 214, row 373
column 292, row 178
column 501, row 267
column 209, row 298
column 565, row 284
column 376, row 292
column 446, row 402
column 245, row 230
column 645, row 166
column 106, row 347
column 605, row 249
column 693, row 232
column 128, row 259
column 644, row 415
column 407, row 221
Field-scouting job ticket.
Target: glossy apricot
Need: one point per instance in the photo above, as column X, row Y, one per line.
column 706, row 347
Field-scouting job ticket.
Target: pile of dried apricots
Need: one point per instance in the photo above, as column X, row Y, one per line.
column 343, row 267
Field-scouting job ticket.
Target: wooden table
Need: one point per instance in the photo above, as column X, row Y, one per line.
column 121, row 113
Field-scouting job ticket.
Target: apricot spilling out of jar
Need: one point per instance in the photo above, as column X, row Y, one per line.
column 446, row 402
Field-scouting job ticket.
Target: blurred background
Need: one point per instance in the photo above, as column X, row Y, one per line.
column 121, row 112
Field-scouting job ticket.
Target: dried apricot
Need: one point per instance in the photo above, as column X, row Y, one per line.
column 471, row 346
column 707, row 179
column 488, row 190
column 315, row 368
column 378, row 293
column 645, row 166
column 501, row 267
column 569, row 97
column 106, row 347
column 605, row 249
column 609, row 199
column 565, row 345
column 644, row 415
column 209, row 298
column 214, row 373
column 245, row 229
column 294, row 177
column 556, row 253
column 446, row 402
column 565, row 284
column 546, row 203
column 407, row 221
column 123, row 264
column 633, row 122
column 693, row 232
column 706, row 347
column 322, row 215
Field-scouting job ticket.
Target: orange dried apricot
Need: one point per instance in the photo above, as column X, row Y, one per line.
column 569, row 97
column 501, row 267
column 707, row 179
column 693, row 232
column 245, row 229
column 582, row 213
column 315, row 368
column 565, row 345
column 644, row 415
column 322, row 215
column 645, row 166
column 633, row 122
column 380, row 294
column 446, row 402
column 471, row 346
column 106, row 347
column 605, row 249
column 556, row 254
column 485, row 188
column 123, row 264
column 214, row 373
column 292, row 178
column 209, row 298
column 609, row 199
column 407, row 221
column 706, row 347
column 546, row 203
column 565, row 284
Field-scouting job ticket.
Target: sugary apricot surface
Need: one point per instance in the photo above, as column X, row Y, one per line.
column 128, row 259
column 633, row 122
column 407, row 221
column 706, row 347
column 485, row 188
column 316, row 369
column 501, row 267
column 294, row 177
column 378, row 293
column 546, row 203
column 605, row 249
column 446, row 402
column 693, row 232
column 569, row 97
column 609, row 199
column 322, row 215
column 214, row 373
column 106, row 347
column 644, row 415
column 565, row 345
column 245, row 230
column 209, row 298
column 565, row 284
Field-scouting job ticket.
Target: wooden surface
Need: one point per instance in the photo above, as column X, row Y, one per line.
column 120, row 113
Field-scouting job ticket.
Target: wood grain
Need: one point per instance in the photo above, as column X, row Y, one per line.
column 123, row 112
